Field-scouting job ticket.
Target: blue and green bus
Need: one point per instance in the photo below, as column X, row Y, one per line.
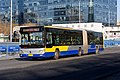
column 51, row 41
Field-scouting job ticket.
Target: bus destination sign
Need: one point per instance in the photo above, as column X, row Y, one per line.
column 31, row 29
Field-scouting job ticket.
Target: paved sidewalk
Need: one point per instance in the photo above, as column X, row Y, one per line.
column 6, row 57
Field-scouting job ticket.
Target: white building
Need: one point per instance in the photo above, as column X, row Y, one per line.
column 109, row 33
column 3, row 38
column 112, row 33
column 98, row 27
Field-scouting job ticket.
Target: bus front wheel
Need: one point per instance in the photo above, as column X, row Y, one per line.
column 56, row 56
column 97, row 50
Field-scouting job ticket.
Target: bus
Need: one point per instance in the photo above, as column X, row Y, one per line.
column 51, row 41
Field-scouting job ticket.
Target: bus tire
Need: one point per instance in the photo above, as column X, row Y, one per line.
column 79, row 51
column 97, row 50
column 56, row 56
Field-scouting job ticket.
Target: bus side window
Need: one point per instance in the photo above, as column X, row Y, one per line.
column 49, row 38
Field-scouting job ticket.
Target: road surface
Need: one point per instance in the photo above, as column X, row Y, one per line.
column 103, row 66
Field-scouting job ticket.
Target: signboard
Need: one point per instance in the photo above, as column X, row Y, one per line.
column 30, row 29
column 3, row 48
column 14, row 48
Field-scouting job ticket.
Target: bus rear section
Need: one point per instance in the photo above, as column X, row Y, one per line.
column 92, row 42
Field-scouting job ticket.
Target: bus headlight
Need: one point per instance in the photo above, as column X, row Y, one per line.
column 41, row 51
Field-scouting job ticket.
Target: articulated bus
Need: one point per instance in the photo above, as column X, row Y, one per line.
column 49, row 41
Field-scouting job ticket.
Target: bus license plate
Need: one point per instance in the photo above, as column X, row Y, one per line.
column 30, row 54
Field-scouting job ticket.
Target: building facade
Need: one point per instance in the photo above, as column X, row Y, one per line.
column 5, row 10
column 57, row 11
column 105, row 11
column 47, row 12
column 73, row 11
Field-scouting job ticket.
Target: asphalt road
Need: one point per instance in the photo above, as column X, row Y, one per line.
column 103, row 66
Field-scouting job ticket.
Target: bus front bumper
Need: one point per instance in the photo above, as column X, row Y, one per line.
column 46, row 55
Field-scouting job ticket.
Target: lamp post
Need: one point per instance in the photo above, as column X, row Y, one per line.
column 11, row 22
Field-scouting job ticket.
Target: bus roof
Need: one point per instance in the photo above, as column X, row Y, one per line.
column 60, row 27
column 17, row 28
column 69, row 28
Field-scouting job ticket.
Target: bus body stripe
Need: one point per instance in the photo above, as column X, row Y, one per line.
column 62, row 53
column 50, row 54
column 61, row 48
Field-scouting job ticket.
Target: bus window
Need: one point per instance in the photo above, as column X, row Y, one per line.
column 95, row 38
column 57, row 40
column 36, row 38
column 24, row 39
column 49, row 38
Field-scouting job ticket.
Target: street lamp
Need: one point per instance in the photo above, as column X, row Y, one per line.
column 11, row 22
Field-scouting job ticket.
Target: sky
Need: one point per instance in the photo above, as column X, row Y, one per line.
column 118, row 10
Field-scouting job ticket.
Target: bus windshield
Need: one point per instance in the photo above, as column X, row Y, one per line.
column 32, row 40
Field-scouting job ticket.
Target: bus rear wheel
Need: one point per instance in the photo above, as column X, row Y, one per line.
column 97, row 50
column 56, row 56
column 79, row 51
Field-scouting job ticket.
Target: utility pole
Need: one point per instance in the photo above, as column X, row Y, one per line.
column 108, row 13
column 79, row 10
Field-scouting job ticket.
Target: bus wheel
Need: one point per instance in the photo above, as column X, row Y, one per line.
column 56, row 56
column 97, row 50
column 79, row 51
